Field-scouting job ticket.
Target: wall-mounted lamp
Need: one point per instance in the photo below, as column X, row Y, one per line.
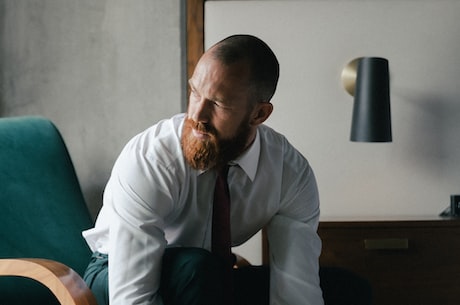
column 367, row 79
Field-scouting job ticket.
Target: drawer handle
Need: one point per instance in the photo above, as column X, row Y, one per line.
column 386, row 244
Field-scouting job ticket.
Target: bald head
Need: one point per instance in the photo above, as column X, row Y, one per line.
column 262, row 62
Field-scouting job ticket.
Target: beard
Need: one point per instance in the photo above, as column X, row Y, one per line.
column 212, row 152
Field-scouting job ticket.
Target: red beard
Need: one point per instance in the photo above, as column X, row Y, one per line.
column 205, row 154
column 200, row 154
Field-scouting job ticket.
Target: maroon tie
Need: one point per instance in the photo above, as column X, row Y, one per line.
column 221, row 236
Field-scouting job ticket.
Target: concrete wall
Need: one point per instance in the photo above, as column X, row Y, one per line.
column 102, row 70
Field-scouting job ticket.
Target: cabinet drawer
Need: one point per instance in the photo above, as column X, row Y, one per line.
column 406, row 263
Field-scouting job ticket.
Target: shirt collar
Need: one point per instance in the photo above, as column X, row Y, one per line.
column 249, row 160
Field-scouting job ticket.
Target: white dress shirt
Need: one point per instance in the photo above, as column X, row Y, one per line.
column 154, row 199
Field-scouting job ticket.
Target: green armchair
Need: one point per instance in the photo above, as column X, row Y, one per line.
column 42, row 252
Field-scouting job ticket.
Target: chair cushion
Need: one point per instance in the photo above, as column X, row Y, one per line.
column 42, row 209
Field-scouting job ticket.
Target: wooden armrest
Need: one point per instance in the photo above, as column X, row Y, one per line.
column 68, row 287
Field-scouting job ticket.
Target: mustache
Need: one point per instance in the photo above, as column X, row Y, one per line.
column 202, row 127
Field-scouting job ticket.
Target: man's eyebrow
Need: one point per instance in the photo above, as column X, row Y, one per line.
column 215, row 98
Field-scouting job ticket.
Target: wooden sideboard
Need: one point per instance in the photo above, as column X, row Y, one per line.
column 411, row 261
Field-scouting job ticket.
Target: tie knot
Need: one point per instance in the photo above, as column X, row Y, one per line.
column 223, row 171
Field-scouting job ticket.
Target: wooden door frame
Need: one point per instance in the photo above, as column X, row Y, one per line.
column 195, row 33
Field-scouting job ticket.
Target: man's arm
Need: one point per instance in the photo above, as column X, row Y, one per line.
column 295, row 246
column 140, row 201
column 294, row 268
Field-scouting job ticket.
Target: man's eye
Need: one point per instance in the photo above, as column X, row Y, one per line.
column 220, row 105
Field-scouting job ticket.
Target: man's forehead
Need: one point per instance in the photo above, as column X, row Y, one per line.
column 213, row 67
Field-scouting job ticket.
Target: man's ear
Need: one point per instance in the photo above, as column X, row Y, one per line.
column 261, row 112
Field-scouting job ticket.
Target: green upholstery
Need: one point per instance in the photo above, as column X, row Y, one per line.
column 42, row 209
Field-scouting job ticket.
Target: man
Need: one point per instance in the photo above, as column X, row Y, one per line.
column 155, row 228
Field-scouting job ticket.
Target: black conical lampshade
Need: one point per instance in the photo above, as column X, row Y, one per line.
column 371, row 120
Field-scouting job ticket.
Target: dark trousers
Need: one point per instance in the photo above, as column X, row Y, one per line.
column 190, row 276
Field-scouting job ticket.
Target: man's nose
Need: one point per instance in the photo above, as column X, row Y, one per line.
column 200, row 111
